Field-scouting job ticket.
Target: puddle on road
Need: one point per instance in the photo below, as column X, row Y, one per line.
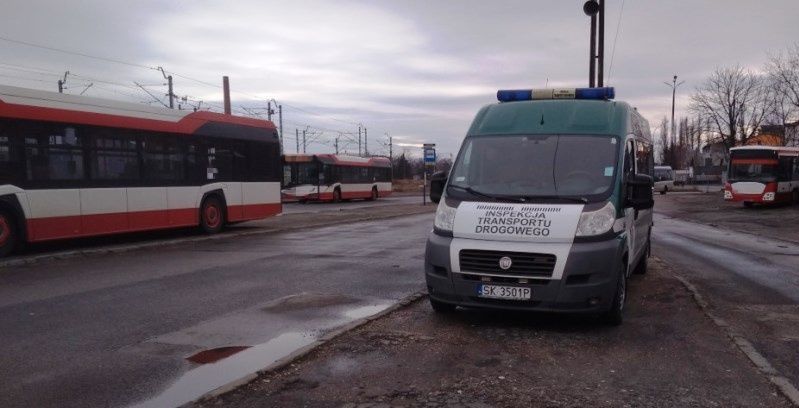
column 203, row 379
column 243, row 361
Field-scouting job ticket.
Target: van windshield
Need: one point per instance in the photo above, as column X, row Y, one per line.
column 549, row 166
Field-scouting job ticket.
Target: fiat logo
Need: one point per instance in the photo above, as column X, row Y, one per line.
column 505, row 262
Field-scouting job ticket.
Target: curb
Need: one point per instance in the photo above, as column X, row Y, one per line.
column 35, row 259
column 304, row 351
column 763, row 365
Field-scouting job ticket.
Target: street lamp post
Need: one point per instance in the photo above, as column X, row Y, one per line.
column 596, row 60
column 673, row 86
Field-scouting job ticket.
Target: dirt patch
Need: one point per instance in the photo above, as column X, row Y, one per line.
column 778, row 222
column 666, row 354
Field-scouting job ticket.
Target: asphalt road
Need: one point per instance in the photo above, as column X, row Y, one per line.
column 750, row 281
column 114, row 330
column 312, row 207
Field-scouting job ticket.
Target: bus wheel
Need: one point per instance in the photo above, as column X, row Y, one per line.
column 8, row 234
column 212, row 215
column 615, row 316
column 665, row 190
column 337, row 195
column 373, row 197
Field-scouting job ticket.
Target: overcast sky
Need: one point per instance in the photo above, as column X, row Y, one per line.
column 418, row 70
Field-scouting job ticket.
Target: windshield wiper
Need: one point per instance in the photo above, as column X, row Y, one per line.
column 484, row 195
column 581, row 200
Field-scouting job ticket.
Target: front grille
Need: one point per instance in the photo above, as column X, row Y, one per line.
column 523, row 263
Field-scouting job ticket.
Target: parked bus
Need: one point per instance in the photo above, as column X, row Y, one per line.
column 763, row 175
column 330, row 177
column 74, row 166
column 548, row 206
column 664, row 179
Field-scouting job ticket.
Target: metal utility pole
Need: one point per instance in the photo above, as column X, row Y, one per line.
column 303, row 141
column 591, row 8
column 269, row 110
column 280, row 119
column 359, row 140
column 390, row 150
column 297, row 138
column 172, row 94
column 225, row 93
column 365, row 142
column 63, row 82
column 673, row 86
column 337, row 143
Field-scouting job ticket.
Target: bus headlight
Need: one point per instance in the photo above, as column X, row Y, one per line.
column 596, row 222
column 445, row 216
column 768, row 196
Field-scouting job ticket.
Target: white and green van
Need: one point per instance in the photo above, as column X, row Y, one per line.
column 548, row 206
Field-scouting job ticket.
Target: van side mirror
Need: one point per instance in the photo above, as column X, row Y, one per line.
column 639, row 192
column 437, row 182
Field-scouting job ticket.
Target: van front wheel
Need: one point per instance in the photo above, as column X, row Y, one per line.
column 615, row 316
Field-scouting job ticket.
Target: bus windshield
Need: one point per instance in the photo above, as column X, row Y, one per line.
column 751, row 171
column 530, row 166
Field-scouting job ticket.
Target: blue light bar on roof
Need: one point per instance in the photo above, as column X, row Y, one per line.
column 511, row 95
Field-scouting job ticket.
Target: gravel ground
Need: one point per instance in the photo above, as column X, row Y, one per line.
column 667, row 353
column 777, row 222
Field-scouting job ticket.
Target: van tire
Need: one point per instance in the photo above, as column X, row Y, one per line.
column 441, row 307
column 8, row 233
column 615, row 316
column 641, row 268
column 212, row 215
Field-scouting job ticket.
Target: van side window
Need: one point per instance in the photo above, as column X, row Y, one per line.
column 629, row 160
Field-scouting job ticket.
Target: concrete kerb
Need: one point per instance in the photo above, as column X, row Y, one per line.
column 304, row 351
column 763, row 365
column 34, row 259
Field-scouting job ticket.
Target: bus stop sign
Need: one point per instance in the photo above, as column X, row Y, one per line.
column 429, row 154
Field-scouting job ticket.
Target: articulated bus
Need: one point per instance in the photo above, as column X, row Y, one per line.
column 763, row 175
column 74, row 166
column 330, row 177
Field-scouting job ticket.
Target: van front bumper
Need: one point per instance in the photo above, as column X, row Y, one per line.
column 588, row 284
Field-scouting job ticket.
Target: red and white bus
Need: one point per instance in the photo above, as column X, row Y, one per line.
column 763, row 175
column 329, row 177
column 73, row 166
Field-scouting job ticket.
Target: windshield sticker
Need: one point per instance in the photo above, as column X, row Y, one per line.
column 609, row 171
column 460, row 178
column 517, row 222
column 612, row 140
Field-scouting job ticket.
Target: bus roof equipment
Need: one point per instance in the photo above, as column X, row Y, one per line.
column 513, row 95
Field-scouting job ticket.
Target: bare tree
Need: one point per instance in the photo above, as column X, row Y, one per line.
column 783, row 76
column 734, row 102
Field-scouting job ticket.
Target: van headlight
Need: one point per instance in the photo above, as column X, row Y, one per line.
column 445, row 216
column 596, row 222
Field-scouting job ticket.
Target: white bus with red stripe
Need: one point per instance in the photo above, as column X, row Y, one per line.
column 763, row 175
column 330, row 177
column 73, row 166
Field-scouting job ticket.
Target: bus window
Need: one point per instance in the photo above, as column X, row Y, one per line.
column 114, row 156
column 162, row 159
column 53, row 153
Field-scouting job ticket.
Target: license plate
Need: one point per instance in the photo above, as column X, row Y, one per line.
column 504, row 292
